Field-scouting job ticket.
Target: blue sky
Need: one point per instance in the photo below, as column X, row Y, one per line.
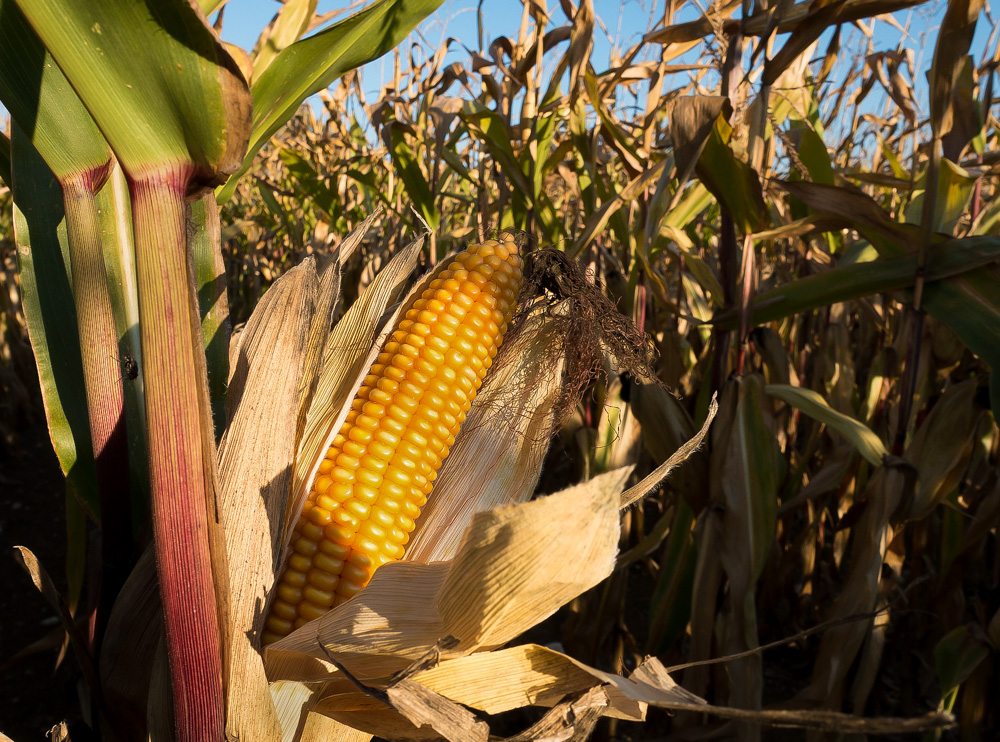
column 623, row 22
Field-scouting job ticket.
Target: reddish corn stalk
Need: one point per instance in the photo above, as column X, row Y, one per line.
column 181, row 482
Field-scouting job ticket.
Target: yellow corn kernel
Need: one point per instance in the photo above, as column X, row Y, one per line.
column 382, row 463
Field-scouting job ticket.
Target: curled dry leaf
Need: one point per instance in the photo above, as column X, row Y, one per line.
column 502, row 581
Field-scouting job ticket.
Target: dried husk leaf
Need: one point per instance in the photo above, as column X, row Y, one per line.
column 349, row 351
column 255, row 461
column 532, row 675
column 291, row 700
column 427, row 710
column 571, row 720
column 656, row 477
column 319, row 728
column 503, row 581
column 497, row 457
column 129, row 647
column 326, row 303
column 538, row 676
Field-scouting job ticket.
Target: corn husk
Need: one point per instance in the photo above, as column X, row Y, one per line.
column 499, row 579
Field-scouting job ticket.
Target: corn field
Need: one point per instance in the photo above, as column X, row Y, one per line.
column 540, row 393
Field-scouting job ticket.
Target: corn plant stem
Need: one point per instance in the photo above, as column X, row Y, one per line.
column 917, row 313
column 180, row 457
column 102, row 378
column 729, row 260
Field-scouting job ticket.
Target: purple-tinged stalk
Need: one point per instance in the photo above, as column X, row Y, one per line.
column 181, row 451
column 102, row 378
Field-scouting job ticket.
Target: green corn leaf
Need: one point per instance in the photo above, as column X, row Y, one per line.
column 861, row 437
column 404, row 160
column 42, row 101
column 855, row 280
column 291, row 22
column 313, row 63
column 43, row 259
column 159, row 85
column 5, row 159
column 956, row 657
column 967, row 302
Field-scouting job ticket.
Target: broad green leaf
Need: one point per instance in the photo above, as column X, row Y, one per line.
column 855, row 280
column 956, row 657
column 312, row 64
column 49, row 309
column 159, row 84
column 745, row 472
column 310, row 183
column 41, row 100
column 941, row 446
column 115, row 220
column 204, row 242
column 5, row 160
column 492, row 130
column 670, row 604
column 812, row 152
column 732, row 181
column 955, row 186
column 291, row 22
column 748, row 478
column 858, row 435
column 418, row 190
column 968, row 303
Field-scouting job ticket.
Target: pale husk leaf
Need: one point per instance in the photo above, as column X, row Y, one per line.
column 129, row 647
column 326, row 303
column 319, row 728
column 349, row 351
column 531, row 675
column 497, row 457
column 538, row 676
column 291, row 700
column 255, row 459
column 503, row 581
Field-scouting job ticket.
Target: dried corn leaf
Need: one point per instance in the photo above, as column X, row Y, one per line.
column 532, row 675
column 291, row 701
column 537, row 676
column 859, row 594
column 503, row 581
column 425, row 709
column 497, row 456
column 571, row 720
column 319, row 728
column 255, row 463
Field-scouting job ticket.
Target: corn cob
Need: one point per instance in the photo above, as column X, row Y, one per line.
column 381, row 466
